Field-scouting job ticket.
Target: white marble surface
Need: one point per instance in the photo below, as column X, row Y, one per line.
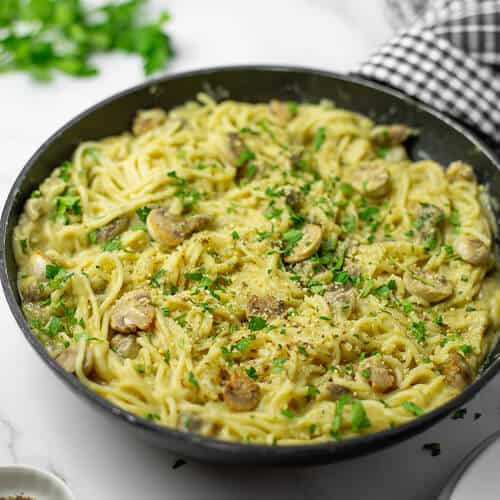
column 43, row 423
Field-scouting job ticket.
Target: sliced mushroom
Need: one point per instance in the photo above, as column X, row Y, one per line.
column 335, row 392
column 281, row 112
column 147, row 120
column 241, row 393
column 236, row 146
column 267, row 306
column 381, row 376
column 307, row 245
column 457, row 371
column 189, row 422
column 133, row 312
column 125, row 345
column 294, row 199
column 32, row 289
column 472, row 250
column 67, row 359
column 342, row 300
column 171, row 230
column 37, row 264
column 396, row 153
column 111, row 230
column 429, row 219
column 372, row 180
column 427, row 286
column 460, row 171
column 391, row 135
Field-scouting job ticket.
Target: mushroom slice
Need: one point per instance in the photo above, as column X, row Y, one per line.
column 241, row 393
column 280, row 111
column 372, row 180
column 236, row 146
column 472, row 250
column 391, row 135
column 111, row 230
column 307, row 245
column 294, row 199
column 67, row 359
column 396, row 153
column 37, row 264
column 428, row 223
column 267, row 306
column 335, row 392
column 427, row 286
column 381, row 377
column 341, row 300
column 457, row 371
column 171, row 230
column 147, row 120
column 460, row 171
column 133, row 312
column 125, row 345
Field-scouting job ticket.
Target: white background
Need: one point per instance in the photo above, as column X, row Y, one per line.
column 43, row 423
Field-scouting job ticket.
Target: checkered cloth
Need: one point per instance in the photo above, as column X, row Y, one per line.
column 449, row 58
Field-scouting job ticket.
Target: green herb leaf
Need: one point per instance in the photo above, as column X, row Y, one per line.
column 192, row 380
column 319, row 138
column 413, row 408
column 112, row 245
column 252, row 373
column 143, row 213
column 360, row 419
column 344, row 400
column 418, row 330
column 256, row 323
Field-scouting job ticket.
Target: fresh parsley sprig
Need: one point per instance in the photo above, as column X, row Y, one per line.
column 42, row 37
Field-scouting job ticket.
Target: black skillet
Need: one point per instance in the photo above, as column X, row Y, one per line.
column 440, row 139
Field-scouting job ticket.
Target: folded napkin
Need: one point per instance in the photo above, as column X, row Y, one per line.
column 448, row 58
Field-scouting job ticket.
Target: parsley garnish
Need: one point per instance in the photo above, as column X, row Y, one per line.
column 245, row 156
column 286, row 412
column 112, row 245
column 344, row 400
column 155, row 279
column 419, row 331
column 143, row 213
column 235, row 236
column 54, row 326
column 360, row 419
column 66, row 205
column 256, row 323
column 291, row 237
column 319, row 138
column 252, row 372
column 413, row 408
column 192, row 380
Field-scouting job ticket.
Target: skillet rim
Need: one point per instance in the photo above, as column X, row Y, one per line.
column 206, row 448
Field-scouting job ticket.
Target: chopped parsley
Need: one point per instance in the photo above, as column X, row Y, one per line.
column 67, row 205
column 465, row 348
column 418, row 330
column 278, row 365
column 192, row 380
column 143, row 213
column 286, row 412
column 252, row 373
column 291, row 238
column 319, row 138
column 360, row 419
column 384, row 290
column 235, row 236
column 413, row 408
column 155, row 279
column 344, row 400
column 112, row 245
column 245, row 156
column 256, row 323
column 53, row 327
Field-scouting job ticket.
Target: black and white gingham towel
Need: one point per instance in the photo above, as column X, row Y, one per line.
column 449, row 58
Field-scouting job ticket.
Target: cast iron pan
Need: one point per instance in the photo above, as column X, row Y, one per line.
column 440, row 139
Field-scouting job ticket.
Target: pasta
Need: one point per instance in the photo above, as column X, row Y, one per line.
column 274, row 273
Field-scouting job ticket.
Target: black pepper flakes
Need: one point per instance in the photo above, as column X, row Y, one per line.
column 477, row 415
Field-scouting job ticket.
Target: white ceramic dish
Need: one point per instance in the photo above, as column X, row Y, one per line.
column 32, row 483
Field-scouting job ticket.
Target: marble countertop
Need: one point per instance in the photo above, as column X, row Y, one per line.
column 43, row 423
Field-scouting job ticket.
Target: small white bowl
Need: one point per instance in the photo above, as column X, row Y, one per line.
column 32, row 483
